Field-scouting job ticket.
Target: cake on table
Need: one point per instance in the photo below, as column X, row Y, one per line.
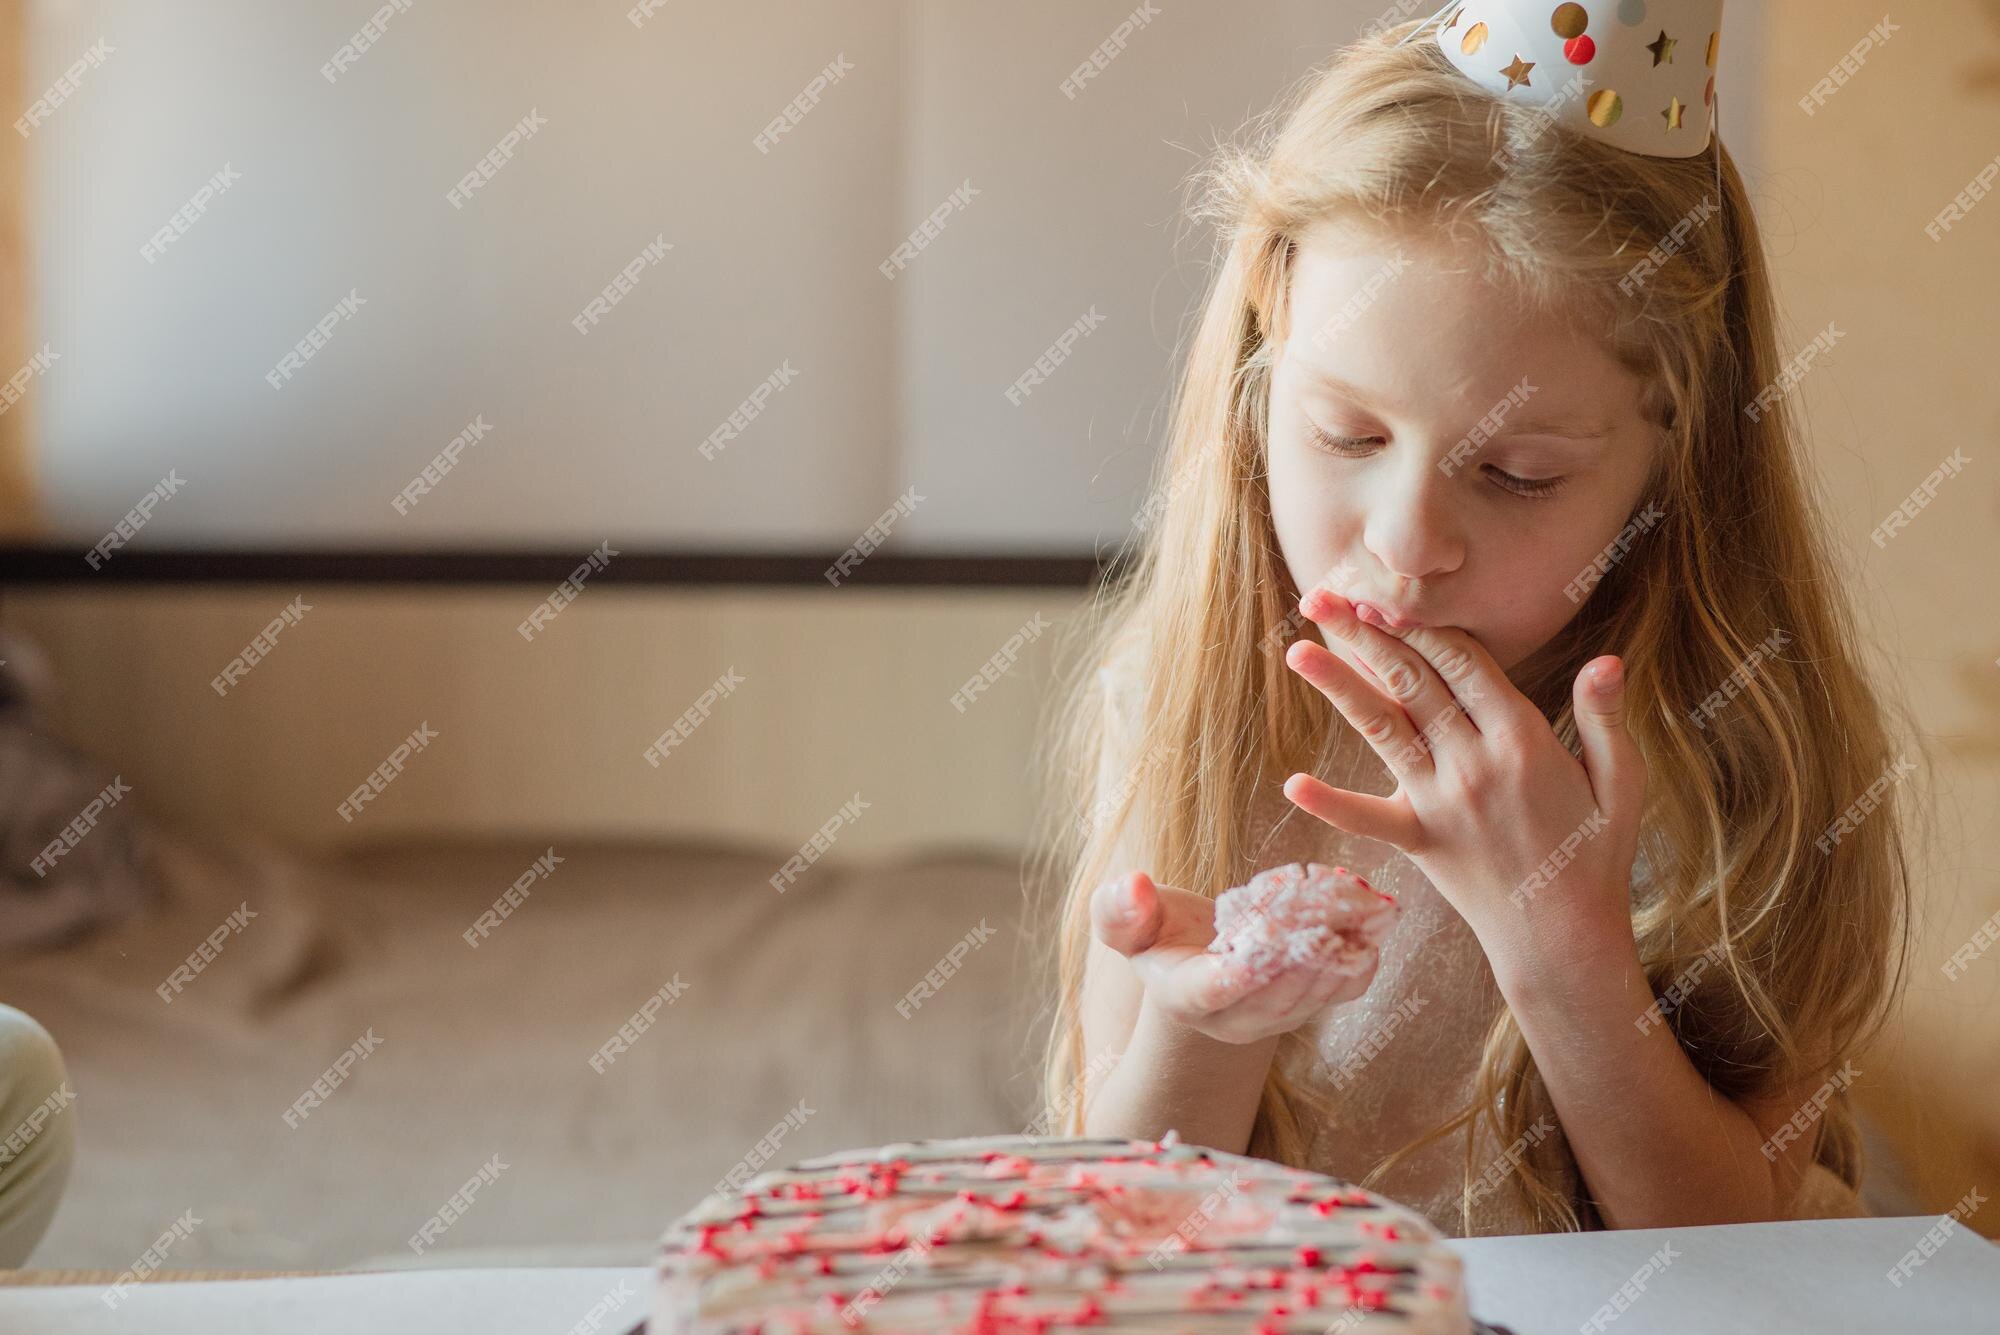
column 1013, row 1235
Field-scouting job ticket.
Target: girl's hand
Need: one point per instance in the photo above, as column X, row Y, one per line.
column 1165, row 933
column 1533, row 849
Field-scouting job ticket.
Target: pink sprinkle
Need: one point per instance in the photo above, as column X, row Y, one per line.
column 1301, row 914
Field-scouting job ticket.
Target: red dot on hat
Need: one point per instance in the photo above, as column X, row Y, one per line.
column 1580, row 50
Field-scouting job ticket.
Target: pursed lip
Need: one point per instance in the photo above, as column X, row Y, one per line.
column 1378, row 614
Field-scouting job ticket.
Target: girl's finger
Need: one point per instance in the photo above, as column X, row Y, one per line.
column 1125, row 913
column 1281, row 993
column 1402, row 673
column 1475, row 678
column 1390, row 819
column 1611, row 758
column 1331, row 985
column 1212, row 982
column 1379, row 719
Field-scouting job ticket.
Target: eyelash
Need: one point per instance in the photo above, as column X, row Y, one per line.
column 1527, row 488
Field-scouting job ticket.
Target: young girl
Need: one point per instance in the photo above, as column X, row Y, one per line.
column 1484, row 564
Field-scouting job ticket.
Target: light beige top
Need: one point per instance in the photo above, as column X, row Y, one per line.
column 1404, row 1055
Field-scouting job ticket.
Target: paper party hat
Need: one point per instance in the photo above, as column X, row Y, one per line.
column 1637, row 74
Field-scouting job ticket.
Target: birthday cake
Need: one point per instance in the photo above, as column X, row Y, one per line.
column 1007, row 1235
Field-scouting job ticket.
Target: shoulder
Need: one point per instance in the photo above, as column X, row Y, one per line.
column 1124, row 656
column 1121, row 677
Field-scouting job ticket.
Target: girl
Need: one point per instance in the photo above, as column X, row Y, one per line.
column 1574, row 616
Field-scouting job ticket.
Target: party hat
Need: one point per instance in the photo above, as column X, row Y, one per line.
column 1637, row 74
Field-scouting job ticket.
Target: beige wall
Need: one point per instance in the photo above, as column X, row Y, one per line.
column 895, row 384
column 17, row 502
column 841, row 691
column 1852, row 188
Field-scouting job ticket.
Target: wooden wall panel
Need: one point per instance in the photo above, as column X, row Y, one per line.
column 17, row 507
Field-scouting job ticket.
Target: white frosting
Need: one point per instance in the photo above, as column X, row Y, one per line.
column 1301, row 913
column 1007, row 1235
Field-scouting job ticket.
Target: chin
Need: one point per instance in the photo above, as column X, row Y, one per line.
column 1507, row 658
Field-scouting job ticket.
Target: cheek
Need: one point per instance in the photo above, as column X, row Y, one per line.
column 1307, row 515
column 1527, row 607
column 1290, row 511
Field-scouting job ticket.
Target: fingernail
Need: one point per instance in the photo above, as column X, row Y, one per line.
column 1609, row 676
column 1125, row 907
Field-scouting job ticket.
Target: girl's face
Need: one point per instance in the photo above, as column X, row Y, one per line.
column 1437, row 453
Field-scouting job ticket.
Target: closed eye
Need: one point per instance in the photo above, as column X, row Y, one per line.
column 1352, row 447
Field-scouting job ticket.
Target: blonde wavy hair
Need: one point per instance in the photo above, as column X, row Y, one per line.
column 1808, row 948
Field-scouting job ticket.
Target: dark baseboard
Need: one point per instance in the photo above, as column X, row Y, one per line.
column 44, row 565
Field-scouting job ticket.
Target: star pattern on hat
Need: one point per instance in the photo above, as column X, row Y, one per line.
column 1634, row 63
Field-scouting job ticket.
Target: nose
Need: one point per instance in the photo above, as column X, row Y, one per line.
column 1411, row 527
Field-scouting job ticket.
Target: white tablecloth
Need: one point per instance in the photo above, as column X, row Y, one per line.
column 1820, row 1277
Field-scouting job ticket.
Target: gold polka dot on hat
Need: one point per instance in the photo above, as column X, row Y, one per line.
column 1587, row 65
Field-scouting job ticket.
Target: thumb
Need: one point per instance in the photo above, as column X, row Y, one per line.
column 1125, row 913
column 1611, row 757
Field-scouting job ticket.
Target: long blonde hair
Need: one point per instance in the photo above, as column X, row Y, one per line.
column 1809, row 947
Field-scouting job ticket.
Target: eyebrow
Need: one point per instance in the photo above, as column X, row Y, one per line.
column 1578, row 427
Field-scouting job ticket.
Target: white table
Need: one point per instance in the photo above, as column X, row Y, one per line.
column 1816, row 1276
column 1820, row 1277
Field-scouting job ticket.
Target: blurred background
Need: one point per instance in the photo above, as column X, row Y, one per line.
column 671, row 418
